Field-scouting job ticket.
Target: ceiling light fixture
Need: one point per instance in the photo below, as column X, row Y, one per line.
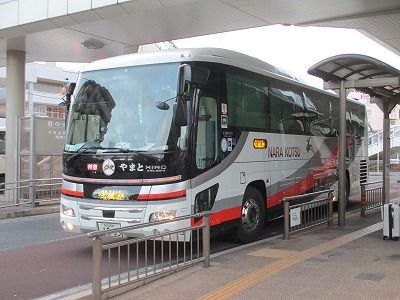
column 93, row 44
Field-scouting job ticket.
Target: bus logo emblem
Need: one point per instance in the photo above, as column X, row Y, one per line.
column 108, row 167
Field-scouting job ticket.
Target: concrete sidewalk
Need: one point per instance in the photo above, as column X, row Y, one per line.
column 351, row 262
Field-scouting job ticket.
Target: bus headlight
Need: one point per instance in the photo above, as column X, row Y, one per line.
column 67, row 211
column 163, row 215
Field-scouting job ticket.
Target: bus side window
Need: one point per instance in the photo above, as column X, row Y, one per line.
column 206, row 153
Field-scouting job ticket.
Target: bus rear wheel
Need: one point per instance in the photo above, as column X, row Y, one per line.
column 252, row 216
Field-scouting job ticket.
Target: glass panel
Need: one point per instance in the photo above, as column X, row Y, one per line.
column 24, row 135
column 320, row 112
column 116, row 108
column 246, row 101
column 254, row 95
column 234, row 97
column 205, row 199
column 286, row 109
column 358, row 119
column 206, row 153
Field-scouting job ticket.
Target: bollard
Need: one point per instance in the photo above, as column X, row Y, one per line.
column 97, row 260
column 363, row 200
column 32, row 194
column 206, row 240
column 285, row 219
column 330, row 208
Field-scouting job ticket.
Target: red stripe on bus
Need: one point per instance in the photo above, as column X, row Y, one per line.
column 163, row 196
column 72, row 193
column 225, row 215
column 221, row 216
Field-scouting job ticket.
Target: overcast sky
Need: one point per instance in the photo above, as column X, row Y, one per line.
column 295, row 49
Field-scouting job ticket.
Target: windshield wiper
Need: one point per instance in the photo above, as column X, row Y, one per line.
column 84, row 148
column 122, row 150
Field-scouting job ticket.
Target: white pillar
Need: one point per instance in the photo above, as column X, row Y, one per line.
column 15, row 101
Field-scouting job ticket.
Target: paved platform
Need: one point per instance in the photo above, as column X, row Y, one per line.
column 351, row 262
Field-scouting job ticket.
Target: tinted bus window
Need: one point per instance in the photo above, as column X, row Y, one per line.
column 322, row 113
column 286, row 109
column 246, row 101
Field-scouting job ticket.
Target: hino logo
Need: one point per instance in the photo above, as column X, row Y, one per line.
column 108, row 167
column 156, row 169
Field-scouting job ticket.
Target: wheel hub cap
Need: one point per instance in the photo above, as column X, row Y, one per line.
column 250, row 215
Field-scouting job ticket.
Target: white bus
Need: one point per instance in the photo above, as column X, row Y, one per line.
column 159, row 135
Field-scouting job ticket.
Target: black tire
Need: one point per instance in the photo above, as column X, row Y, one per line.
column 347, row 191
column 346, row 195
column 252, row 216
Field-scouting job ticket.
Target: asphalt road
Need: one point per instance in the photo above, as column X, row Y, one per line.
column 27, row 231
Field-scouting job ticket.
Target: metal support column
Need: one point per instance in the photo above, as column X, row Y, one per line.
column 342, row 157
column 32, row 165
column 386, row 152
column 206, row 240
column 97, row 253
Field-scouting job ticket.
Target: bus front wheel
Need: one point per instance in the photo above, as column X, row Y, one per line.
column 252, row 216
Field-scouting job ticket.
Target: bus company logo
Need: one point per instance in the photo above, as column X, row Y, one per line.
column 309, row 146
column 279, row 151
column 156, row 169
column 108, row 167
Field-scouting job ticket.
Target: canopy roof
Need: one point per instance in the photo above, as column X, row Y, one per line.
column 360, row 71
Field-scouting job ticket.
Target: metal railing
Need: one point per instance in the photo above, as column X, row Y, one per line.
column 377, row 137
column 371, row 197
column 375, row 140
column 134, row 261
column 30, row 192
column 304, row 214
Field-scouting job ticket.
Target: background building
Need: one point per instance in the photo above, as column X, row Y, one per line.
column 44, row 89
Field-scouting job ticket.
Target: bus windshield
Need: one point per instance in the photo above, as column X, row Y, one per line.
column 117, row 108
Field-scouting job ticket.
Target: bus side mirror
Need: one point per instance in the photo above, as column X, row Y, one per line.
column 70, row 90
column 184, row 81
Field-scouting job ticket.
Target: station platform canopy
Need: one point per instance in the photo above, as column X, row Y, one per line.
column 369, row 75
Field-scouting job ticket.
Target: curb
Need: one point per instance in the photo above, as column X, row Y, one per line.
column 29, row 212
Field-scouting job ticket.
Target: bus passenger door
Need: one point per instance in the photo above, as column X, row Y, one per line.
column 205, row 155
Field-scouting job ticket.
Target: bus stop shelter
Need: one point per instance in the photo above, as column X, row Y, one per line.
column 369, row 75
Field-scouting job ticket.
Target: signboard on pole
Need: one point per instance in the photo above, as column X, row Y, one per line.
column 295, row 216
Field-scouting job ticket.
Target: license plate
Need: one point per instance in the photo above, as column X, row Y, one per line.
column 105, row 226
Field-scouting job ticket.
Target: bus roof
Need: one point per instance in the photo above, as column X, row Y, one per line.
column 181, row 55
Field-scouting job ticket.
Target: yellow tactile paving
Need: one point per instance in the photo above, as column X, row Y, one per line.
column 273, row 253
column 234, row 287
